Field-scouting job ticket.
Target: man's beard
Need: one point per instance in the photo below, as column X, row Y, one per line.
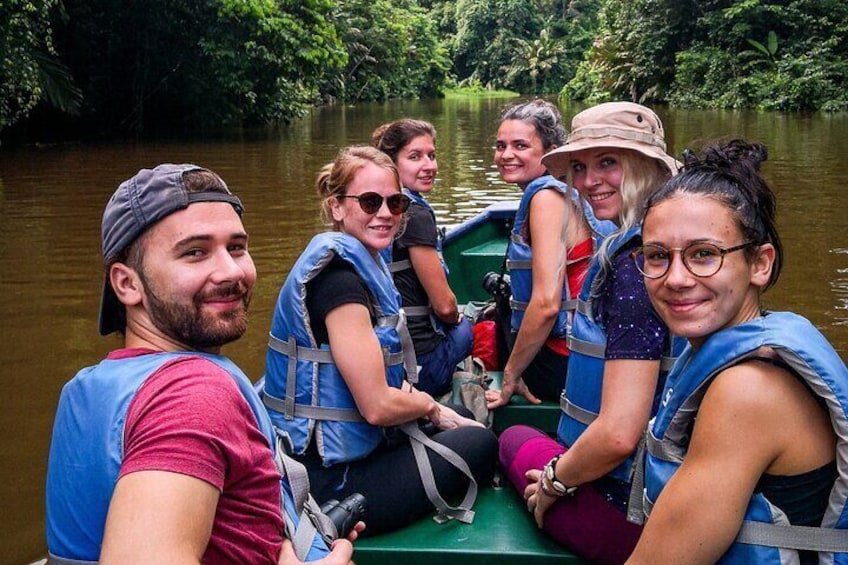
column 187, row 323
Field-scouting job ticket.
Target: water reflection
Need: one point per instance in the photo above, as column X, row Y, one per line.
column 51, row 199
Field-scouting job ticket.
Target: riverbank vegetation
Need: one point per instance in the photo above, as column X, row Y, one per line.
column 109, row 66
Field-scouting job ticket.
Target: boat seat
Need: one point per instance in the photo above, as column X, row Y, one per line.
column 503, row 532
column 544, row 416
column 476, row 261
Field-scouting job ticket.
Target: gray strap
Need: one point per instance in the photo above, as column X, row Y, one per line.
column 417, row 310
column 312, row 520
column 582, row 415
column 313, row 412
column 804, row 538
column 294, row 352
column 666, row 363
column 410, row 364
column 564, row 306
column 518, row 264
column 55, row 559
column 396, row 266
column 635, row 506
column 302, row 353
column 444, row 512
column 296, row 473
column 586, row 348
column 663, row 450
column 568, row 305
column 584, row 308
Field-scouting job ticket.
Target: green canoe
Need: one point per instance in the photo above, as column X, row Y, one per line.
column 503, row 531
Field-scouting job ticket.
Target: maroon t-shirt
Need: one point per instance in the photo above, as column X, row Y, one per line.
column 190, row 418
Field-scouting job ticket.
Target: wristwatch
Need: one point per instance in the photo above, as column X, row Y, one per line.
column 558, row 488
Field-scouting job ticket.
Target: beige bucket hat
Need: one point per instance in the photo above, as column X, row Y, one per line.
column 613, row 124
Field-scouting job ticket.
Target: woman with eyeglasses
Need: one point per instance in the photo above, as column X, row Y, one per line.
column 548, row 253
column 442, row 336
column 752, row 431
column 577, row 486
column 339, row 360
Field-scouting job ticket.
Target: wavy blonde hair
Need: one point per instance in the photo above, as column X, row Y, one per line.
column 641, row 177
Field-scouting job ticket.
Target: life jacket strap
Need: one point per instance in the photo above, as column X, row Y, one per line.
column 636, row 500
column 407, row 352
column 580, row 414
column 444, row 512
column 417, row 311
column 56, row 560
column 802, row 538
column 518, row 264
column 312, row 520
column 396, row 266
column 666, row 363
column 313, row 412
column 564, row 306
column 296, row 352
column 586, row 348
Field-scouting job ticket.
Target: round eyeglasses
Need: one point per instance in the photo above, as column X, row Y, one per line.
column 370, row 202
column 701, row 259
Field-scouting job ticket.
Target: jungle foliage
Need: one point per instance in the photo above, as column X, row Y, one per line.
column 123, row 66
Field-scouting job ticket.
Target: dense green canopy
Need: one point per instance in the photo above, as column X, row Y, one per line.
column 122, row 66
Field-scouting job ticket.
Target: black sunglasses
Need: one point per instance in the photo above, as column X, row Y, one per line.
column 371, row 202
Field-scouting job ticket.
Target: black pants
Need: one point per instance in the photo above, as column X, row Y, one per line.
column 545, row 376
column 390, row 482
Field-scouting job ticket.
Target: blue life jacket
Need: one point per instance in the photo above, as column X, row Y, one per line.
column 581, row 399
column 86, row 451
column 765, row 536
column 417, row 310
column 295, row 363
column 520, row 255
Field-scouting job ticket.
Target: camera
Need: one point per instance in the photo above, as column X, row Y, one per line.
column 497, row 284
column 345, row 514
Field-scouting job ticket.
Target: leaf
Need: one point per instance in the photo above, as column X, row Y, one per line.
column 772, row 43
column 759, row 46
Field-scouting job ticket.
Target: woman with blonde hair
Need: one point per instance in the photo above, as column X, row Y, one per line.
column 577, row 486
column 339, row 363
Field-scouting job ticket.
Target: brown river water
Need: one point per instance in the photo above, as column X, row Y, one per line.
column 51, row 198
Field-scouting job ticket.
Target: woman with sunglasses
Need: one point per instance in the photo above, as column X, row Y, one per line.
column 769, row 392
column 547, row 256
column 441, row 335
column 339, row 360
column 615, row 157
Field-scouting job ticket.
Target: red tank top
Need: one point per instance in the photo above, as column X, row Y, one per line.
column 578, row 259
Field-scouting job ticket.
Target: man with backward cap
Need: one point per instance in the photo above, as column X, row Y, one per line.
column 162, row 453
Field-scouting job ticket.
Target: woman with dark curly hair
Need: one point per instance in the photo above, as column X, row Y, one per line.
column 751, row 439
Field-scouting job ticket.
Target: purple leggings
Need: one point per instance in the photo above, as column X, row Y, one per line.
column 586, row 523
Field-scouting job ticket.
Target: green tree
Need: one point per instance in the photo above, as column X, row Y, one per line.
column 633, row 53
column 199, row 61
column 487, row 35
column 536, row 60
column 801, row 66
column 29, row 68
column 393, row 51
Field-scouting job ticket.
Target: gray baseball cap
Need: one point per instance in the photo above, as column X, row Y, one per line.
column 137, row 204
